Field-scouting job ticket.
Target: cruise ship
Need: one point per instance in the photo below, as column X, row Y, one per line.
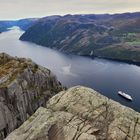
column 125, row 95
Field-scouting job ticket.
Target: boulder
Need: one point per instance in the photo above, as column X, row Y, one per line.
column 80, row 113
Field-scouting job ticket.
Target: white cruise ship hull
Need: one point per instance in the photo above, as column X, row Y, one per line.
column 126, row 96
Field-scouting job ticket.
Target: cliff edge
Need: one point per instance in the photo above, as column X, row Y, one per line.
column 24, row 86
column 80, row 113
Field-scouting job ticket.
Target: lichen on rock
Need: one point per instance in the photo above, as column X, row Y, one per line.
column 80, row 113
column 24, row 86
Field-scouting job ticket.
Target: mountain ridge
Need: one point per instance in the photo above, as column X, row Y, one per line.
column 83, row 34
column 23, row 24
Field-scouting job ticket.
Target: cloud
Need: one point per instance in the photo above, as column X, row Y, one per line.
column 37, row 8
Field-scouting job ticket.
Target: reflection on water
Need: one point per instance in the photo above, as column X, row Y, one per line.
column 105, row 76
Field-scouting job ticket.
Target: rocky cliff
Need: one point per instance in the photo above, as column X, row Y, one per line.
column 24, row 86
column 80, row 113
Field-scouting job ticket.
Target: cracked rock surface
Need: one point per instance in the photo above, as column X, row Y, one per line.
column 80, row 113
column 24, row 87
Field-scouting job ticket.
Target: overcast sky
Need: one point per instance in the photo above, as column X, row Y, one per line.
column 15, row 9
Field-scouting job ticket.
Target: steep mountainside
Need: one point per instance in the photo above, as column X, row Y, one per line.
column 80, row 113
column 24, row 86
column 24, row 24
column 111, row 36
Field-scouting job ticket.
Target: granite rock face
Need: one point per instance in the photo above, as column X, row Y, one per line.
column 80, row 113
column 24, row 87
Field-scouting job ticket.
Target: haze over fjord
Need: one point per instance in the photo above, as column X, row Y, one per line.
column 16, row 9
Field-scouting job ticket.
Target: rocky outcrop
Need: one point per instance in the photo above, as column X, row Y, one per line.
column 80, row 113
column 24, row 86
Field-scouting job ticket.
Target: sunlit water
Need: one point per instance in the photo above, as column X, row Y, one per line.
column 105, row 76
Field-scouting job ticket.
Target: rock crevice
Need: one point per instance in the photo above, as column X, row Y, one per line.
column 24, row 86
column 80, row 113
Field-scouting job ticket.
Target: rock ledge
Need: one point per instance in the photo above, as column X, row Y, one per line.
column 80, row 113
column 24, row 86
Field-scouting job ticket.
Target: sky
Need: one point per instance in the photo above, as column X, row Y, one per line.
column 17, row 9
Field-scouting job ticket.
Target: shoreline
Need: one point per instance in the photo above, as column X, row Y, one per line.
column 93, row 56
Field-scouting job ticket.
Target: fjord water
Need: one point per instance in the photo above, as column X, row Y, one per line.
column 107, row 77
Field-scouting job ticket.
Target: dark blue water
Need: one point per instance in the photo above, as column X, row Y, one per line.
column 104, row 76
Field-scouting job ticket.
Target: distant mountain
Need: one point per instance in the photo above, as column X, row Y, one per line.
column 4, row 25
column 110, row 36
column 24, row 24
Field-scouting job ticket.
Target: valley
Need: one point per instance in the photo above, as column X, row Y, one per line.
column 105, row 76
